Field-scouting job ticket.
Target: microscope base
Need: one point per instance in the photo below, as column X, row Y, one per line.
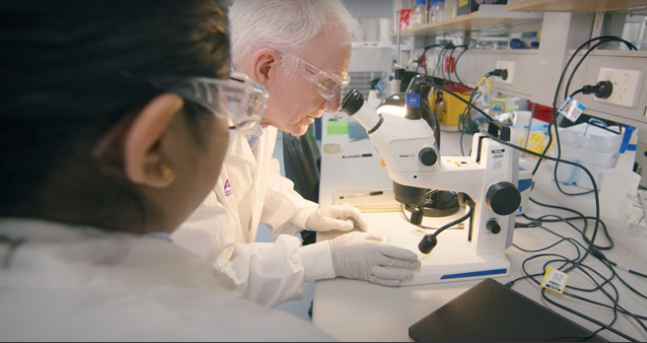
column 453, row 260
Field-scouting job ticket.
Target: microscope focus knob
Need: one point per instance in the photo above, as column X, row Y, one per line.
column 428, row 157
column 503, row 198
column 494, row 227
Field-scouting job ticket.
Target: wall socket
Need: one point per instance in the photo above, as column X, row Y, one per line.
column 509, row 66
column 626, row 84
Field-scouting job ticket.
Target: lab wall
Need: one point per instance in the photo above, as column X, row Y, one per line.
column 370, row 8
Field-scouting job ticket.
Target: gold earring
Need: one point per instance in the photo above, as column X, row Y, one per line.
column 166, row 171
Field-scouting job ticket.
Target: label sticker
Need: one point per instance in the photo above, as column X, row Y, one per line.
column 555, row 280
column 413, row 100
column 572, row 109
column 484, row 86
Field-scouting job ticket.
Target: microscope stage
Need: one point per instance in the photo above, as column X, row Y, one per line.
column 452, row 260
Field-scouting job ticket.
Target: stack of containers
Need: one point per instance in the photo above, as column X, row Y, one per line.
column 593, row 147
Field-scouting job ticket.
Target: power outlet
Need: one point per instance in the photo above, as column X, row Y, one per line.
column 625, row 86
column 506, row 65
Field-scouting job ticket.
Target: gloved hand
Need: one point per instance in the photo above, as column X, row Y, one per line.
column 356, row 256
column 336, row 218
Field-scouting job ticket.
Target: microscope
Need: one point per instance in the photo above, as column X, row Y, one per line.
column 486, row 183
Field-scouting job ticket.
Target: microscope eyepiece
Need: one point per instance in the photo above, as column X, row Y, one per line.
column 352, row 102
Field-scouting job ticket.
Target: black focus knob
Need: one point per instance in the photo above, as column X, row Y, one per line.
column 428, row 244
column 494, row 227
column 417, row 216
column 503, row 198
column 428, row 157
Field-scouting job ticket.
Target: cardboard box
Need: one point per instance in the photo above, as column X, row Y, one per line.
column 469, row 6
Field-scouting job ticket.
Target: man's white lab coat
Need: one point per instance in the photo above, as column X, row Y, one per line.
column 80, row 284
column 223, row 229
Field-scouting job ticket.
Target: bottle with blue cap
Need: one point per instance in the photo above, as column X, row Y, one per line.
column 420, row 13
column 439, row 11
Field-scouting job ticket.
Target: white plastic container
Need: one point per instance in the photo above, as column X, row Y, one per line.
column 634, row 210
column 621, row 181
column 594, row 148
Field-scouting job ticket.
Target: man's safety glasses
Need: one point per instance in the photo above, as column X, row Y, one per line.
column 328, row 85
column 238, row 100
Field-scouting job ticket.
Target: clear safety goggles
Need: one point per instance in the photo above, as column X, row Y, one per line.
column 238, row 100
column 328, row 85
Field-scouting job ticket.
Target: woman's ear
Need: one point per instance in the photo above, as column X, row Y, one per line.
column 136, row 143
column 264, row 62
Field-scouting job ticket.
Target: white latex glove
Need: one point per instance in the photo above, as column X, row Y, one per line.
column 357, row 256
column 343, row 218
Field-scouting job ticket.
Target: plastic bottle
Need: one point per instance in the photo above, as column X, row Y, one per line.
column 420, row 13
column 440, row 11
column 451, row 7
column 618, row 182
column 432, row 11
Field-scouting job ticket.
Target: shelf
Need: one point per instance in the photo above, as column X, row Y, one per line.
column 488, row 17
column 574, row 5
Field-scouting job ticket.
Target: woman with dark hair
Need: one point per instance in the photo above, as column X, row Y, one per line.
column 114, row 123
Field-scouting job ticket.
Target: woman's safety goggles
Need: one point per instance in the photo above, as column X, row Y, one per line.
column 328, row 85
column 238, row 100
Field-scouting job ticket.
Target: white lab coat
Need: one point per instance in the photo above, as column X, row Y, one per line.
column 223, row 229
column 80, row 284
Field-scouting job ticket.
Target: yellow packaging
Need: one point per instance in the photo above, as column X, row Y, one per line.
column 453, row 108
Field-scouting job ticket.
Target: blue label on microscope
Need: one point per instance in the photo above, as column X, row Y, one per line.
column 413, row 100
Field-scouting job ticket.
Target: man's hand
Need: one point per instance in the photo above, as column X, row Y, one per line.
column 357, row 256
column 342, row 218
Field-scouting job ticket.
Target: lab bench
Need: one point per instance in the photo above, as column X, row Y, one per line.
column 351, row 310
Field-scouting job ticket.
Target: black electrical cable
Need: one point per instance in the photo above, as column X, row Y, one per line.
column 433, row 84
column 598, row 254
column 586, row 317
column 465, row 48
column 466, row 118
column 608, row 280
column 557, row 91
column 579, row 91
column 577, row 245
column 589, row 174
column 557, row 136
column 635, row 291
column 579, row 64
column 450, row 65
column 438, row 62
column 595, row 188
column 591, row 250
column 424, row 55
column 581, row 217
column 582, row 268
column 559, row 86
column 567, row 221
column 600, row 287
column 442, row 65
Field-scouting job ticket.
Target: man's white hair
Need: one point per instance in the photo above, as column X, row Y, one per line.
column 285, row 25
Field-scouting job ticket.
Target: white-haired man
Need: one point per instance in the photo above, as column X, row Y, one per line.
column 300, row 51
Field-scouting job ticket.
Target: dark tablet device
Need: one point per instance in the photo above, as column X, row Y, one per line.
column 491, row 312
